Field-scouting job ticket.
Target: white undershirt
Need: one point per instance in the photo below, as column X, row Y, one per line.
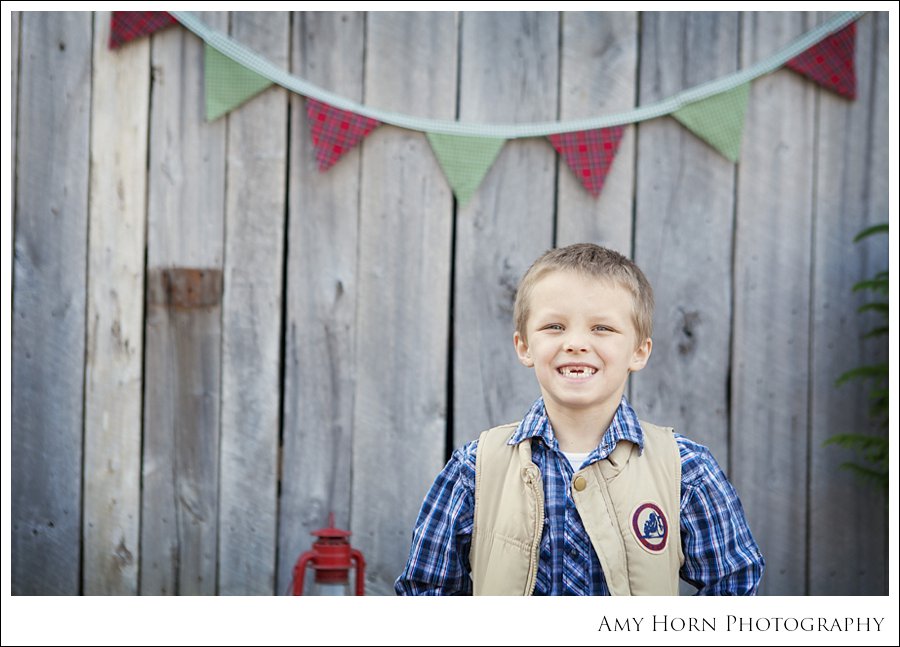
column 575, row 459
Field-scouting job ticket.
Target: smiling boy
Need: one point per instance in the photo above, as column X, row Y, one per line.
column 581, row 498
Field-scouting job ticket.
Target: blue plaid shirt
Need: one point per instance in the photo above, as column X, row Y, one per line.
column 720, row 555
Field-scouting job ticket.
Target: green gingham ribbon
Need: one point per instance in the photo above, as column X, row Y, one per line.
column 253, row 61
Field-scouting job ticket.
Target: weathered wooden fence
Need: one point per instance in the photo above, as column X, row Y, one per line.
column 215, row 345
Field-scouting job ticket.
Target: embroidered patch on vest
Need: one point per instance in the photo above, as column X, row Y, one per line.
column 650, row 527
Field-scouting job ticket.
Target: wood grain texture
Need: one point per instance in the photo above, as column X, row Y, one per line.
column 251, row 320
column 770, row 380
column 683, row 232
column 320, row 339
column 235, row 238
column 15, row 29
column 114, row 359
column 187, row 155
column 399, row 422
column 508, row 74
column 847, row 558
column 48, row 332
column 598, row 75
column 186, row 187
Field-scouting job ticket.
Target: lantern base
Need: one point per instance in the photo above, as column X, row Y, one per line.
column 326, row 588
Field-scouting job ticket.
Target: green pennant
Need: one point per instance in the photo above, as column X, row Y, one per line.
column 465, row 160
column 718, row 120
column 228, row 84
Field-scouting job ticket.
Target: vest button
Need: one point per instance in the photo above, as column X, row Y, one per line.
column 580, row 483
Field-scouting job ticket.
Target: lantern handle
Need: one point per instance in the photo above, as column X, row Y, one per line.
column 357, row 557
column 300, row 571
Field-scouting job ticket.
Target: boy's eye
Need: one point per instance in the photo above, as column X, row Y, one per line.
column 599, row 328
column 553, row 327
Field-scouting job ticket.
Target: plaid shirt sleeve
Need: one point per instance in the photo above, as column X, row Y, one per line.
column 439, row 556
column 720, row 555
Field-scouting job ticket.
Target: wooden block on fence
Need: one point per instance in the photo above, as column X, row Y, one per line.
column 184, row 288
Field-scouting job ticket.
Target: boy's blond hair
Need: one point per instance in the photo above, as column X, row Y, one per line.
column 597, row 262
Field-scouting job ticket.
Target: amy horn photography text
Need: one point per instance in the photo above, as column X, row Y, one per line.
column 741, row 623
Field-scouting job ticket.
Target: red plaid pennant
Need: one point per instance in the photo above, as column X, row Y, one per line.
column 589, row 153
column 831, row 62
column 335, row 131
column 128, row 25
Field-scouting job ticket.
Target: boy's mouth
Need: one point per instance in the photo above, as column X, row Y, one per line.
column 576, row 371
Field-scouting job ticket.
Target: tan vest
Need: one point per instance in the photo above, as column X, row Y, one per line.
column 628, row 502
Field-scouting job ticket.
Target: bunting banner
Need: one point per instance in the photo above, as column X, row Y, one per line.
column 713, row 111
column 228, row 84
column 335, row 131
column 831, row 62
column 589, row 153
column 128, row 25
column 464, row 160
column 719, row 120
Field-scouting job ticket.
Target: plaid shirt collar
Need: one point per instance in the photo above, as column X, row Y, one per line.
column 624, row 426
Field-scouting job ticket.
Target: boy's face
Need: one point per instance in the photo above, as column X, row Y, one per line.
column 581, row 341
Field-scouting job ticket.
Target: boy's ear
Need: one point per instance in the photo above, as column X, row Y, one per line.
column 522, row 350
column 641, row 355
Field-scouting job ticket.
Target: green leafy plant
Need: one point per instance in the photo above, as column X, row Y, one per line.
column 872, row 449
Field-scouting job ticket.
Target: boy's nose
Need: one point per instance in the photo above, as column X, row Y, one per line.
column 573, row 346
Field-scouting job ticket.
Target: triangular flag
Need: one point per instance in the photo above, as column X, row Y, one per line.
column 831, row 62
column 228, row 84
column 718, row 120
column 589, row 153
column 465, row 160
column 128, row 25
column 335, row 131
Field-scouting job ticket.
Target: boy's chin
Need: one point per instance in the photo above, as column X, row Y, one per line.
column 584, row 401
column 575, row 402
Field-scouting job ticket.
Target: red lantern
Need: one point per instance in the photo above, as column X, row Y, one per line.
column 331, row 557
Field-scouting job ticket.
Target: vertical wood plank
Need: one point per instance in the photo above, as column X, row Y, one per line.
column 683, row 237
column 187, row 177
column 178, row 530
column 319, row 354
column 770, row 381
column 399, row 421
column 49, row 302
column 251, row 320
column 509, row 73
column 183, row 334
column 847, row 558
column 8, row 224
column 598, row 75
column 112, row 427
column 15, row 29
column 683, row 232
